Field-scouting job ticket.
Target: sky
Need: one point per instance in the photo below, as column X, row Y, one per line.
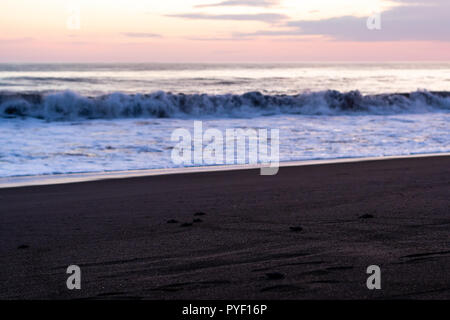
column 224, row 30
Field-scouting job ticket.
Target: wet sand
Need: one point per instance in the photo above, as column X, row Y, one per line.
column 309, row 232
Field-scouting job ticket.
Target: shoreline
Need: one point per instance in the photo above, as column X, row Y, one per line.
column 66, row 178
column 309, row 232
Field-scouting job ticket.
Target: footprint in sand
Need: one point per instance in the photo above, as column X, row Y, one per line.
column 275, row 276
column 186, row 224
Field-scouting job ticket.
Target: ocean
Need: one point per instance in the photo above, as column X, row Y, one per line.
column 77, row 118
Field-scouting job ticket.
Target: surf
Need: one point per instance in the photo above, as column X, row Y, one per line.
column 69, row 105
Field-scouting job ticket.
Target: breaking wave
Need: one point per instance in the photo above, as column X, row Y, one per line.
column 68, row 105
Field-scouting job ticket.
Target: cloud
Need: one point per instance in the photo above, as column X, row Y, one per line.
column 262, row 17
column 16, row 40
column 243, row 3
column 141, row 35
column 268, row 33
column 232, row 38
column 413, row 20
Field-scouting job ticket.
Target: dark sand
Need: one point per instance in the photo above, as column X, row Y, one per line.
column 297, row 235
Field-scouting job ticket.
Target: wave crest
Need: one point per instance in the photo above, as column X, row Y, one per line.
column 68, row 105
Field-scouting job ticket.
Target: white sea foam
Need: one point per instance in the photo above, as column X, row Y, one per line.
column 32, row 147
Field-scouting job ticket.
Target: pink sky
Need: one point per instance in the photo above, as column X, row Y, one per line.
column 214, row 31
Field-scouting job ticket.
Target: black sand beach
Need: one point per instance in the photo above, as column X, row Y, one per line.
column 307, row 233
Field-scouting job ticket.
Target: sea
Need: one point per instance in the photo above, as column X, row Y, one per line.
column 104, row 117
